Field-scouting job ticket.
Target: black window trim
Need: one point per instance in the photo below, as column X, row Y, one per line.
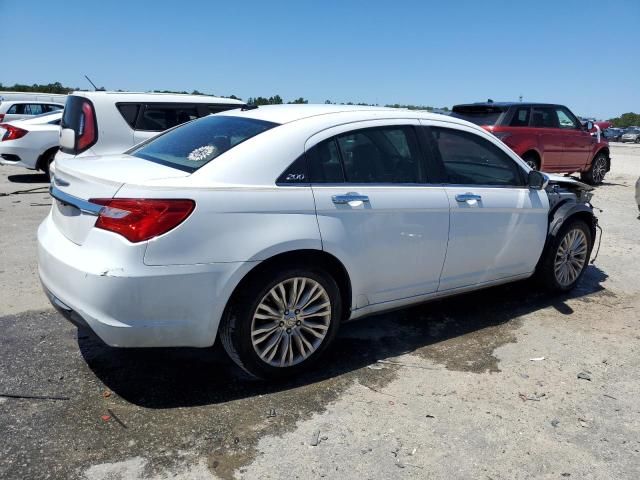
column 442, row 170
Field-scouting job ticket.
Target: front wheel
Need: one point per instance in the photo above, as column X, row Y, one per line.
column 280, row 322
column 597, row 170
column 566, row 257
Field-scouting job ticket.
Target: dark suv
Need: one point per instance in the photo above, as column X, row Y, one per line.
column 548, row 137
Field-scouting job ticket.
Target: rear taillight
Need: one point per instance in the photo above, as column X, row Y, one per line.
column 1, row 117
column 11, row 132
column 138, row 220
column 87, row 130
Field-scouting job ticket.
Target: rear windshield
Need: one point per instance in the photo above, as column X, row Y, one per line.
column 480, row 115
column 195, row 144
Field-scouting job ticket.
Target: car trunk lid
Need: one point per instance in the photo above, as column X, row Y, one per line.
column 78, row 180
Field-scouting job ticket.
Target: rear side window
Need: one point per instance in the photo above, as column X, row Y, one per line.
column 129, row 112
column 79, row 115
column 324, row 163
column 544, row 117
column 521, row 117
column 17, row 108
column 157, row 118
column 380, row 155
column 486, row 115
column 51, row 108
column 192, row 146
column 469, row 159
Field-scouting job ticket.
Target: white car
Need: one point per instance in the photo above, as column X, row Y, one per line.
column 18, row 110
column 30, row 143
column 103, row 123
column 271, row 226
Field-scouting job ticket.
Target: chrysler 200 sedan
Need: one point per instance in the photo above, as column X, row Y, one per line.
column 271, row 226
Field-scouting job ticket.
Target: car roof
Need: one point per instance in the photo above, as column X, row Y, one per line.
column 44, row 102
column 505, row 104
column 157, row 97
column 287, row 113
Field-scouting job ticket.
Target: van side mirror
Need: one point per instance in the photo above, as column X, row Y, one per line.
column 68, row 139
column 537, row 180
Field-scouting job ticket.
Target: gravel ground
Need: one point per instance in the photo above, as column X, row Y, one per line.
column 506, row 383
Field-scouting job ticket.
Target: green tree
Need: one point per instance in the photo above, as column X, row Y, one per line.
column 626, row 120
column 300, row 101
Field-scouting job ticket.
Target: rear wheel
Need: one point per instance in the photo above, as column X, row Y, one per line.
column 280, row 322
column 531, row 160
column 567, row 256
column 46, row 160
column 597, row 170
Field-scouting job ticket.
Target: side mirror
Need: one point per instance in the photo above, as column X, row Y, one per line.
column 537, row 180
column 589, row 126
column 68, row 139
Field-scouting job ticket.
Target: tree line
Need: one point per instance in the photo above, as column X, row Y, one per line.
column 626, row 120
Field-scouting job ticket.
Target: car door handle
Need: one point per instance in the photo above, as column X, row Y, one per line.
column 348, row 198
column 465, row 197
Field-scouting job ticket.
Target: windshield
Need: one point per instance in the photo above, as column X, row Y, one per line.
column 193, row 145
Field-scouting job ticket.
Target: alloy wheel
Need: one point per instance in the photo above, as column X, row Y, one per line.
column 291, row 322
column 571, row 257
column 599, row 169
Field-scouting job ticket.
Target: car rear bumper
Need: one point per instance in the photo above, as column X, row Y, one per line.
column 26, row 157
column 142, row 306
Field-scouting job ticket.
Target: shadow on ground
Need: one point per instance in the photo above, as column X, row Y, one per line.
column 29, row 178
column 471, row 326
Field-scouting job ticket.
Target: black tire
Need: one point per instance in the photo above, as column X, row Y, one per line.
column 46, row 159
column 532, row 160
column 235, row 327
column 546, row 273
column 597, row 170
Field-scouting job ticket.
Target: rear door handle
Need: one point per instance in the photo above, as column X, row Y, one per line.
column 465, row 197
column 348, row 198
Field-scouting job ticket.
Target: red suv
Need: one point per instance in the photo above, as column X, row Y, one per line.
column 548, row 137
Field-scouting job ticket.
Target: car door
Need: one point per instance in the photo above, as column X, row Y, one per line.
column 577, row 142
column 497, row 224
column 550, row 139
column 376, row 210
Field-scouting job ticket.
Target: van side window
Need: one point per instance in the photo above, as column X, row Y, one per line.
column 157, row 118
column 129, row 112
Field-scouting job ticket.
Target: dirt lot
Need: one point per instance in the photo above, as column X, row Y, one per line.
column 482, row 386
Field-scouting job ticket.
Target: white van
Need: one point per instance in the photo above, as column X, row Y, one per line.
column 103, row 123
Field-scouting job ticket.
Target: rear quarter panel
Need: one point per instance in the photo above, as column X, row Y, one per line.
column 243, row 224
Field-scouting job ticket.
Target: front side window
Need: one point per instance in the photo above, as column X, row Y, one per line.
column 380, row 155
column 565, row 119
column 469, row 159
column 192, row 146
column 159, row 118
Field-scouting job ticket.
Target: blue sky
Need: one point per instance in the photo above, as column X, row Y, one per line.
column 584, row 54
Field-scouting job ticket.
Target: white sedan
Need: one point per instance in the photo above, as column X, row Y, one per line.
column 30, row 143
column 271, row 226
